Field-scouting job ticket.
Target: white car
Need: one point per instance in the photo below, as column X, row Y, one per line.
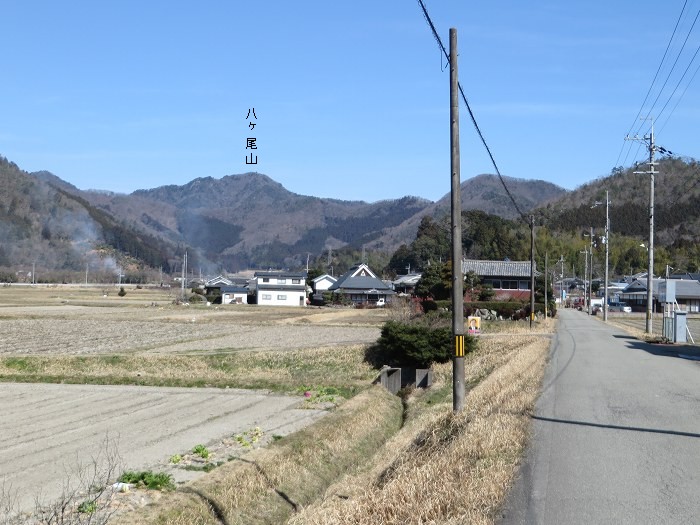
column 381, row 302
column 620, row 307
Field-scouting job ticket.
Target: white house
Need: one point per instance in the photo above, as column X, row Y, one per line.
column 323, row 282
column 234, row 295
column 275, row 288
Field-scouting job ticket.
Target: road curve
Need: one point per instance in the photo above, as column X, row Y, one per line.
column 616, row 432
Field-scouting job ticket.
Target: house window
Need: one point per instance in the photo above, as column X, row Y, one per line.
column 266, row 297
column 523, row 285
column 266, row 279
column 281, row 281
column 495, row 283
column 296, row 281
column 509, row 285
column 281, row 297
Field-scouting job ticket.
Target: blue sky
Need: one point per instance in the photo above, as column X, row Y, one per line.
column 351, row 98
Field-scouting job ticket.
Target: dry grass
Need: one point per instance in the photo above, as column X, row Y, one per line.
column 341, row 367
column 444, row 467
column 267, row 485
column 540, row 326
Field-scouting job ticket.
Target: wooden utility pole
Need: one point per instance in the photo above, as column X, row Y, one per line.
column 607, row 249
column 590, row 281
column 650, row 248
column 532, row 269
column 545, row 285
column 457, row 279
column 650, row 269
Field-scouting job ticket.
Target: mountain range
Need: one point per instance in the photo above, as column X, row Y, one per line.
column 231, row 223
column 251, row 221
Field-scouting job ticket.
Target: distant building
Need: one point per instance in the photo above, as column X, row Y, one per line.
column 510, row 279
column 218, row 281
column 406, row 284
column 322, row 283
column 275, row 288
column 234, row 295
column 687, row 294
column 361, row 286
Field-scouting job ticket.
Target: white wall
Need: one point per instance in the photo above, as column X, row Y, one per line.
column 281, row 298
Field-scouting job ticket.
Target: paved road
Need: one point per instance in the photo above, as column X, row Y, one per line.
column 47, row 430
column 616, row 433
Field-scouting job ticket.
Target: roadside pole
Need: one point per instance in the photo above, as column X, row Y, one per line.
column 457, row 280
column 532, row 270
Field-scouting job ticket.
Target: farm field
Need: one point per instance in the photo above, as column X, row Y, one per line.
column 80, row 321
column 308, row 394
column 51, row 433
column 116, row 349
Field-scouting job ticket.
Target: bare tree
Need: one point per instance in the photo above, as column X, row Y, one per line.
column 85, row 498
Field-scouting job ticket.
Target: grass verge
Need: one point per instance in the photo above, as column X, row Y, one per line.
column 442, row 467
column 340, row 367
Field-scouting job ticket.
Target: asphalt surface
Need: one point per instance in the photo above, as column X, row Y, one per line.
column 48, row 431
column 616, row 432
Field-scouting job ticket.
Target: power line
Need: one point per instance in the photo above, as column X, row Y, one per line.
column 672, row 69
column 471, row 114
column 651, row 86
column 679, row 98
column 679, row 82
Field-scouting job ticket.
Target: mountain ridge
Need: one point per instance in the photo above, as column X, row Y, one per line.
column 228, row 223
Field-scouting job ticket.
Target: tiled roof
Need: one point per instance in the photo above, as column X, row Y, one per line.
column 219, row 280
column 282, row 275
column 685, row 288
column 497, row 268
column 233, row 289
column 325, row 276
column 409, row 279
column 350, row 281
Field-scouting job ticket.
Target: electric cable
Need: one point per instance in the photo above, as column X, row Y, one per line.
column 679, row 99
column 672, row 69
column 679, row 83
column 651, row 86
column 471, row 114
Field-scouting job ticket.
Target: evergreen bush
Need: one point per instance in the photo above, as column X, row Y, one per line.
column 414, row 345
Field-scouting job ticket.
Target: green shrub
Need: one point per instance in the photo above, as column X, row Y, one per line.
column 414, row 345
column 201, row 451
column 87, row 507
column 148, row 479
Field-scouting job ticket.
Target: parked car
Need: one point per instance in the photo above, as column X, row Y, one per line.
column 381, row 302
column 619, row 307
